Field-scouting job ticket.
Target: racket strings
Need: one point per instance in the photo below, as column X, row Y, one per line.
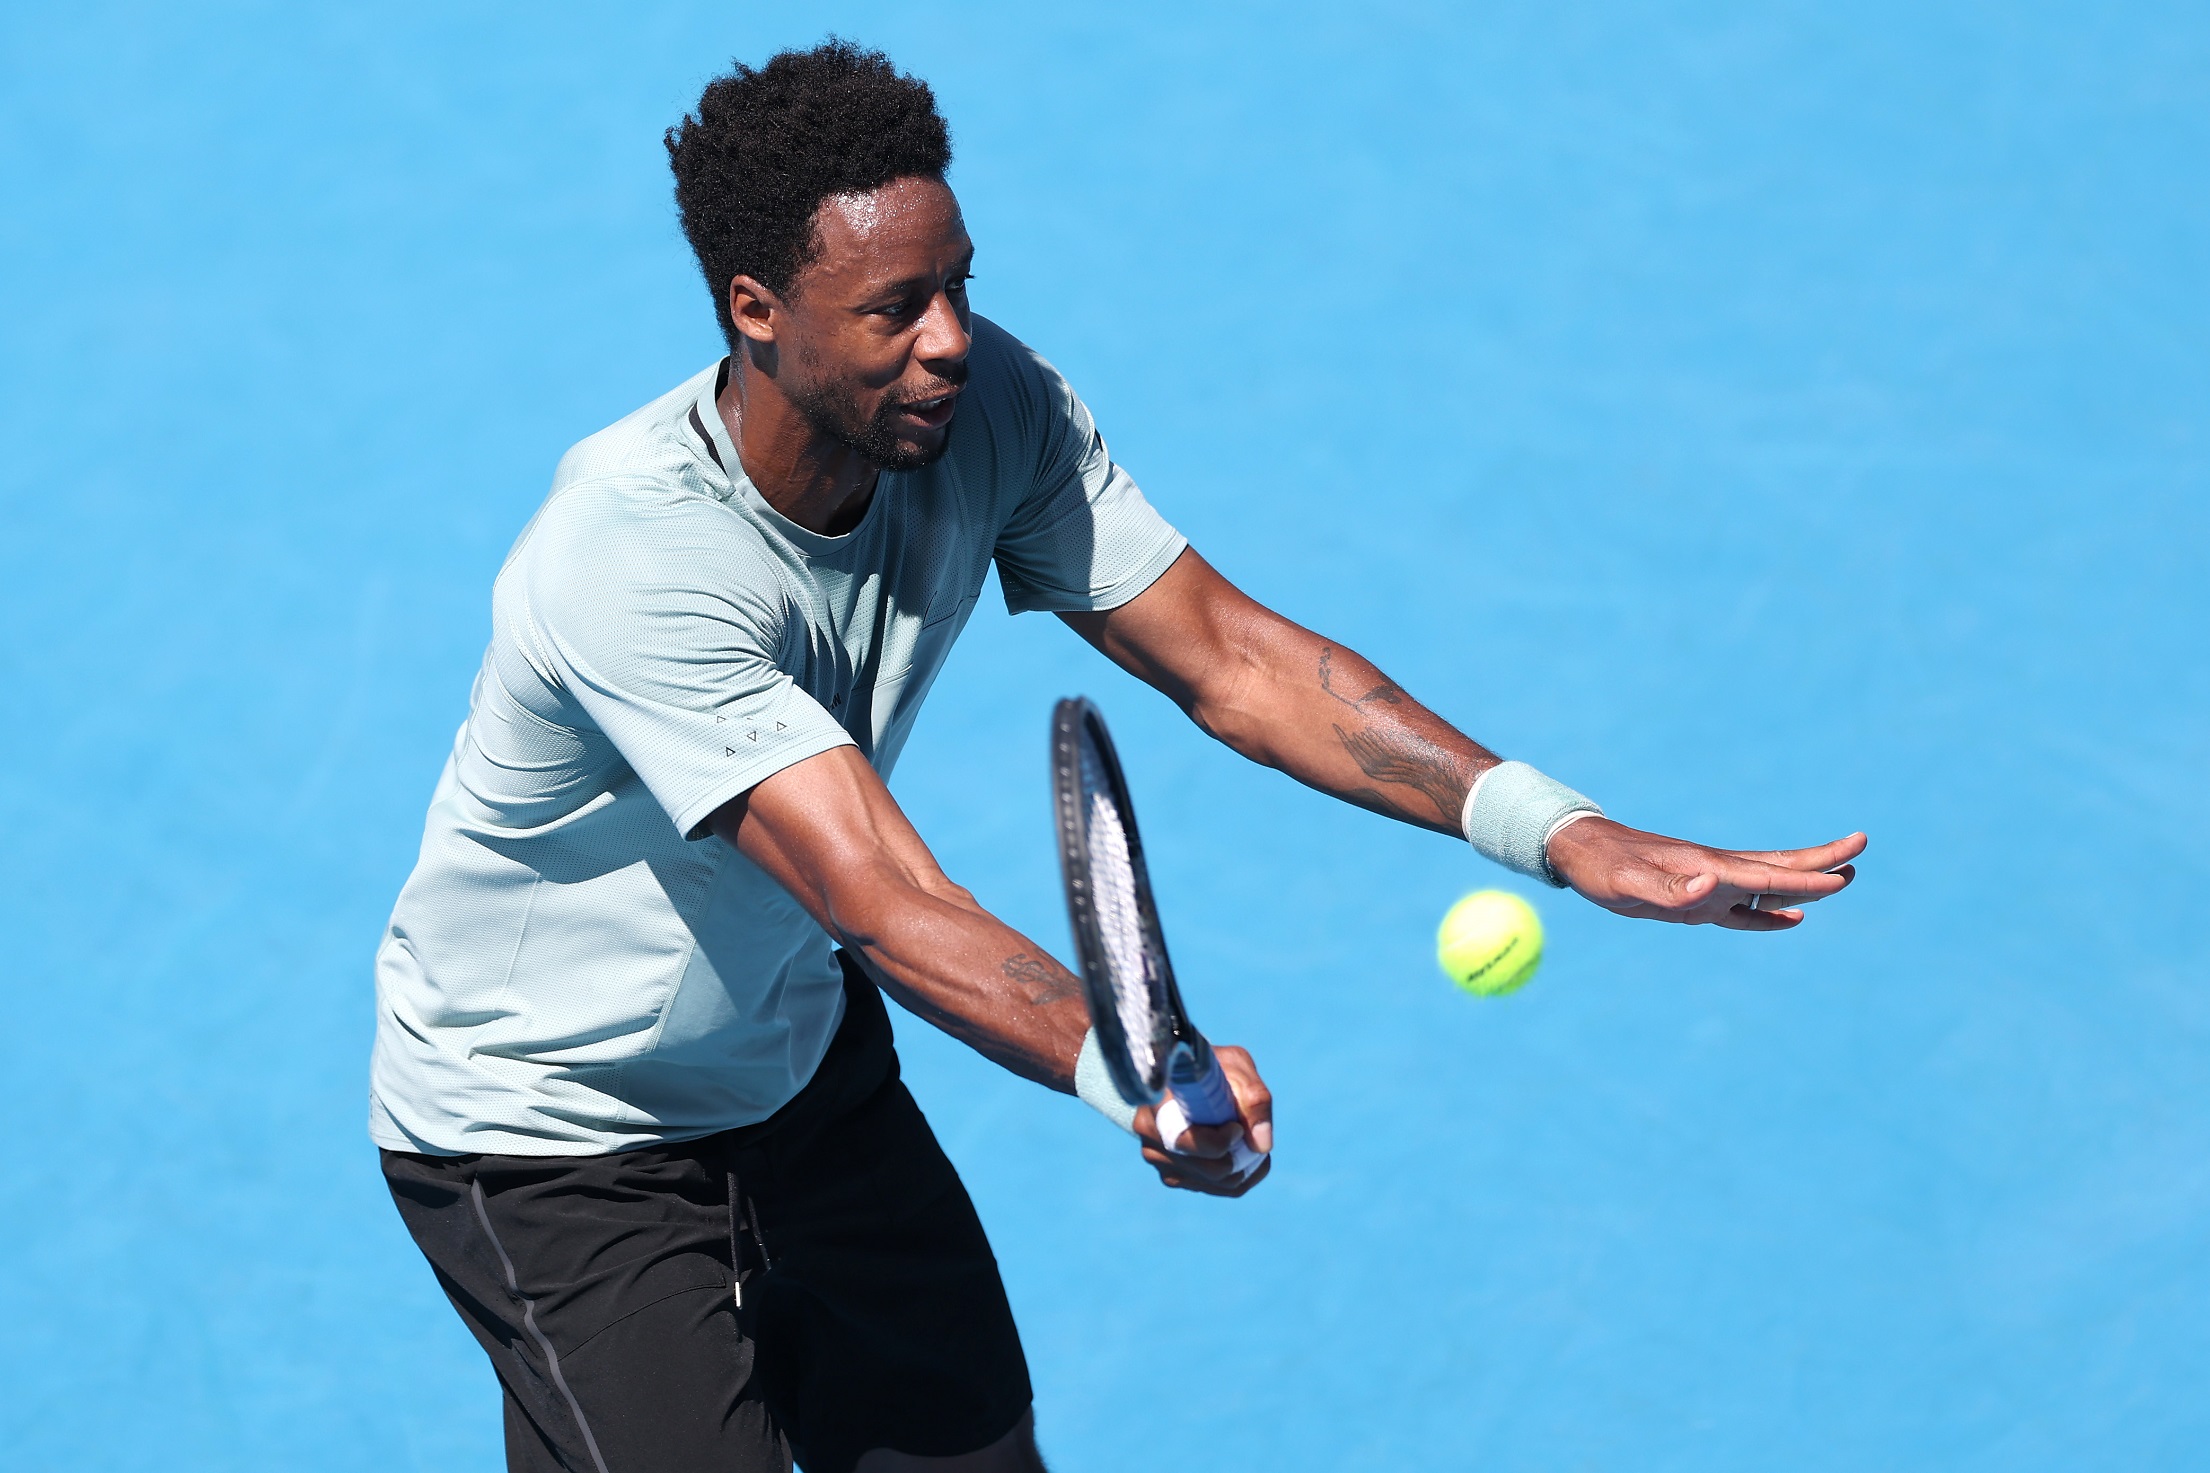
column 1120, row 918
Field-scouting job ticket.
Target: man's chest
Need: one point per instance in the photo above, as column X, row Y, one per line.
column 867, row 638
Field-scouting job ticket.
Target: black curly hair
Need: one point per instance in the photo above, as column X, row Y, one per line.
column 767, row 146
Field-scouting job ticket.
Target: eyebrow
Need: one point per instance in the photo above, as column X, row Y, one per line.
column 906, row 284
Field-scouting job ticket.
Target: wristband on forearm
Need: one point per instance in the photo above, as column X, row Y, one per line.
column 1093, row 1085
column 1512, row 813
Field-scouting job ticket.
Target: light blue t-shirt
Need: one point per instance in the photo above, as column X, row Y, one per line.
column 576, row 964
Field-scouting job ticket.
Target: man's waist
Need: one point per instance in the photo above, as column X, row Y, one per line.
column 430, row 1098
column 433, row 1092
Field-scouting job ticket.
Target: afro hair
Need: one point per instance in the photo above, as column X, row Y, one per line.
column 766, row 146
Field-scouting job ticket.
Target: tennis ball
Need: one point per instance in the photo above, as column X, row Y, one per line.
column 1490, row 943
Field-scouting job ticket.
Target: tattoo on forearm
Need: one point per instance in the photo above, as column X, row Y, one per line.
column 1388, row 693
column 1045, row 981
column 1402, row 758
column 1391, row 752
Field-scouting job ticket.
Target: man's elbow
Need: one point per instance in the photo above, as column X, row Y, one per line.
column 870, row 906
column 1227, row 700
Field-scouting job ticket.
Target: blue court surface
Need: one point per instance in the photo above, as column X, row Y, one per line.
column 1774, row 420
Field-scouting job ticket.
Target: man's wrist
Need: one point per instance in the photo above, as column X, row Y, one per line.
column 1513, row 812
column 1567, row 837
column 1093, row 1085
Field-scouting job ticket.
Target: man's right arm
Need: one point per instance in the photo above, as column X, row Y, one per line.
column 827, row 830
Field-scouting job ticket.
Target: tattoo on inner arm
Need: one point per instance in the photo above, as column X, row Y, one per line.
column 1391, row 752
column 1045, row 981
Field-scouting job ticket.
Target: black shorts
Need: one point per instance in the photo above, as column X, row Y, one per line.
column 813, row 1286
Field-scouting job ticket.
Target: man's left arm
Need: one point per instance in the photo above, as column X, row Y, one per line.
column 1288, row 698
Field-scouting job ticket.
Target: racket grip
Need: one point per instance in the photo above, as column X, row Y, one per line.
column 1207, row 1101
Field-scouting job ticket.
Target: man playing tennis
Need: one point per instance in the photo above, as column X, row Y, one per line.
column 633, row 1077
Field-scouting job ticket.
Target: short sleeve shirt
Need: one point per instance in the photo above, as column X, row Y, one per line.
column 577, row 964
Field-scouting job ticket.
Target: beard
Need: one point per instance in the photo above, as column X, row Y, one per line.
column 835, row 414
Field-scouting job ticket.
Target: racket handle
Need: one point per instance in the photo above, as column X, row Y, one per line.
column 1174, row 1118
column 1207, row 1100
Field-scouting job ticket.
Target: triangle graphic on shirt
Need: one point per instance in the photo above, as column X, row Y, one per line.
column 779, row 726
column 728, row 751
column 751, row 736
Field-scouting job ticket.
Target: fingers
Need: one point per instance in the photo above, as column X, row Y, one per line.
column 1211, row 1142
column 1253, row 1101
column 1214, row 1153
column 1200, row 1143
column 1779, row 879
column 1207, row 1158
column 1787, row 886
column 1823, row 857
column 1690, row 885
column 1178, row 1172
column 1213, row 1168
column 1784, row 899
column 1656, row 878
column 1686, row 888
column 1742, row 918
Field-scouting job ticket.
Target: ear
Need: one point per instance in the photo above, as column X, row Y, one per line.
column 755, row 311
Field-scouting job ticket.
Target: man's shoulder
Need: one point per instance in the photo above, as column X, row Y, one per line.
column 625, row 526
column 633, row 508
column 644, row 478
column 644, row 445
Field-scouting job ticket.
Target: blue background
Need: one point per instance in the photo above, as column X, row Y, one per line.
column 1774, row 419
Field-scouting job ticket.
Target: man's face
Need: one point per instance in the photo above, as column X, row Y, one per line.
column 878, row 325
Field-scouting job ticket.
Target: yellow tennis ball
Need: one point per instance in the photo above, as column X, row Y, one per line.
column 1490, row 943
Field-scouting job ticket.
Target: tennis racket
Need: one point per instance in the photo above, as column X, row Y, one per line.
column 1151, row 1049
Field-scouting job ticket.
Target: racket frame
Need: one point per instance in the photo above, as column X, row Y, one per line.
column 1186, row 1057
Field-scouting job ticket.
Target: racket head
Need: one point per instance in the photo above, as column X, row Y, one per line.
column 1127, row 979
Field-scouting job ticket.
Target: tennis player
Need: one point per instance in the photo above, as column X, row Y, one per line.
column 633, row 1077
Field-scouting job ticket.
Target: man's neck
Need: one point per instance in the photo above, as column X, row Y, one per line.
column 819, row 483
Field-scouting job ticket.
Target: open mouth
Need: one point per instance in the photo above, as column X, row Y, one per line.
column 933, row 413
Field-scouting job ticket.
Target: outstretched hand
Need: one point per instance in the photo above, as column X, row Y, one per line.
column 1202, row 1159
column 1655, row 878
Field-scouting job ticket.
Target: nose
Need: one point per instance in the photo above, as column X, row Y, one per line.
column 944, row 340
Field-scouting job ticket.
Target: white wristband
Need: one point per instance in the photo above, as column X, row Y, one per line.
column 1513, row 811
column 1093, row 1085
